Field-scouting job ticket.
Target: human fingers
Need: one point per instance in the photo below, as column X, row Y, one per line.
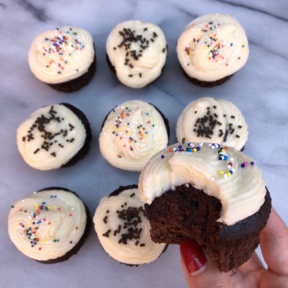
column 274, row 244
column 198, row 269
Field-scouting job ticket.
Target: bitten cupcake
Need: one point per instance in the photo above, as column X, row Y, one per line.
column 214, row 121
column 137, row 51
column 123, row 229
column 207, row 192
column 50, row 225
column 63, row 58
column 54, row 136
column 132, row 133
column 212, row 48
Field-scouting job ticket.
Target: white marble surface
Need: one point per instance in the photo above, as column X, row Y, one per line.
column 260, row 90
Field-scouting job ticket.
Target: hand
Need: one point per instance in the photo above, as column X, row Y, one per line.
column 201, row 272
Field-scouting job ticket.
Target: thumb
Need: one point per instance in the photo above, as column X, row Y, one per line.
column 199, row 270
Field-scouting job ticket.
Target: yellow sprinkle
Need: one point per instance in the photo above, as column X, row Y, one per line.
column 194, row 150
column 221, row 172
column 43, row 241
column 228, row 174
column 55, row 206
column 49, row 207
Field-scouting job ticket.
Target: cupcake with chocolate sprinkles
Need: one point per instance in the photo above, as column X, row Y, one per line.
column 213, row 121
column 123, row 229
column 49, row 225
column 54, row 136
column 132, row 133
column 63, row 58
column 137, row 51
column 212, row 48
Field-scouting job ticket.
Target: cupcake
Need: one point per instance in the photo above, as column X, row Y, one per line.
column 132, row 132
column 63, row 58
column 213, row 194
column 212, row 48
column 54, row 136
column 123, row 229
column 50, row 225
column 214, row 121
column 137, row 51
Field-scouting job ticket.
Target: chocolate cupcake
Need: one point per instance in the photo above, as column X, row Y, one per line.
column 210, row 193
column 213, row 121
column 137, row 51
column 63, row 58
column 132, row 133
column 212, row 48
column 50, row 225
column 54, row 136
column 123, row 229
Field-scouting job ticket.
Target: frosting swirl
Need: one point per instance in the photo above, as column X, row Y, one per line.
column 212, row 121
column 123, row 229
column 50, row 137
column 212, row 47
column 138, row 51
column 222, row 172
column 61, row 55
column 132, row 133
column 47, row 224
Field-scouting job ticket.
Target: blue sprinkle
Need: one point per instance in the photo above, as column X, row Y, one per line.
column 252, row 163
column 162, row 156
column 243, row 165
column 198, row 148
column 180, row 146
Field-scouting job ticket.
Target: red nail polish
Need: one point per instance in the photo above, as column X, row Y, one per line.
column 192, row 255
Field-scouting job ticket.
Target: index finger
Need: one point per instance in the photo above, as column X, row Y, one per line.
column 274, row 244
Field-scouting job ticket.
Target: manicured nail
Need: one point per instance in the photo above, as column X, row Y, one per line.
column 192, row 255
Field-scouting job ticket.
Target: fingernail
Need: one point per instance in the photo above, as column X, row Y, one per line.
column 192, row 255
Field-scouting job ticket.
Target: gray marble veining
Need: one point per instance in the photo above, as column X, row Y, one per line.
column 260, row 90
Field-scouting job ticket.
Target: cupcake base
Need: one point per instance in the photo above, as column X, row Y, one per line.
column 86, row 146
column 188, row 213
column 78, row 83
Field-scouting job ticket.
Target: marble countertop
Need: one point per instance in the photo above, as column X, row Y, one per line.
column 260, row 90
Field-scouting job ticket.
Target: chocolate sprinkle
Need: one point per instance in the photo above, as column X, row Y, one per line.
column 48, row 137
column 205, row 126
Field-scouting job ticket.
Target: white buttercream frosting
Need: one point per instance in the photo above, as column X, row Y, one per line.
column 212, row 47
column 225, row 173
column 215, row 121
column 132, row 133
column 47, row 224
column 135, row 249
column 61, row 55
column 138, row 52
column 50, row 137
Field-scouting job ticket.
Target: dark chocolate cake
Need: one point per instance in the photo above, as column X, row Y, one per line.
column 188, row 213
